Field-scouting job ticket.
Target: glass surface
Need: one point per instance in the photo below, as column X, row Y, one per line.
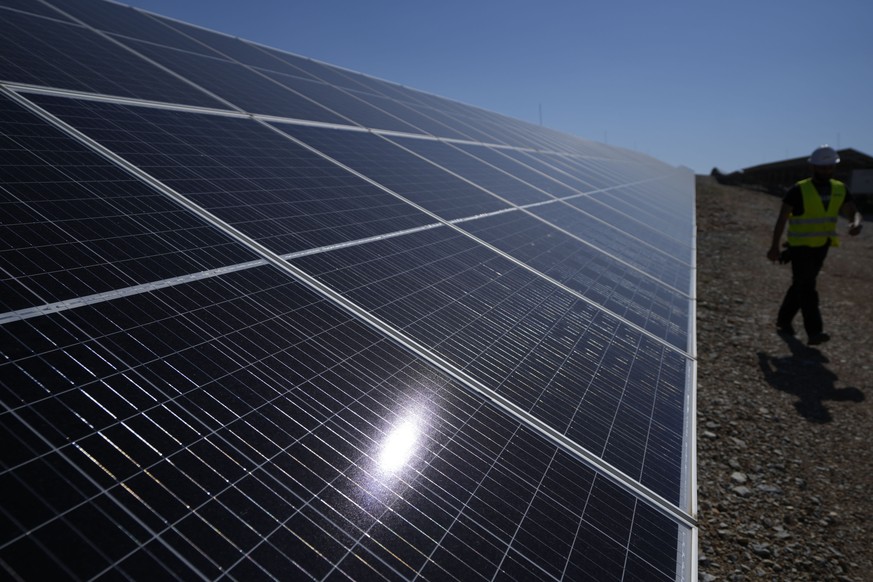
column 400, row 171
column 236, row 84
column 670, row 217
column 488, row 177
column 44, row 52
column 498, row 158
column 623, row 290
column 668, row 243
column 231, row 47
column 617, row 243
column 32, row 7
column 74, row 224
column 125, row 20
column 344, row 103
column 275, row 191
column 251, row 428
column 577, row 368
column 174, row 407
column 419, row 118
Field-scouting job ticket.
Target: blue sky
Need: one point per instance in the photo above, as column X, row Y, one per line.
column 694, row 83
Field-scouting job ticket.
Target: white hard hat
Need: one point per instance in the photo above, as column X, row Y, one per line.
column 824, row 156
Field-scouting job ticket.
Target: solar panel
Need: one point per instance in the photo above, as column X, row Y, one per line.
column 43, row 51
column 279, row 193
column 76, row 225
column 445, row 195
column 263, row 317
column 126, row 21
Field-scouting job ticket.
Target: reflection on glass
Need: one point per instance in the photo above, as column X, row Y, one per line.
column 398, row 446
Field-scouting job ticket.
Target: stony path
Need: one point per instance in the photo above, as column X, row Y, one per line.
column 785, row 459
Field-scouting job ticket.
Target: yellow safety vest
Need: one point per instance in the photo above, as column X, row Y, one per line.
column 816, row 225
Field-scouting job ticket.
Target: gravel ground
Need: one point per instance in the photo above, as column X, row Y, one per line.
column 785, row 467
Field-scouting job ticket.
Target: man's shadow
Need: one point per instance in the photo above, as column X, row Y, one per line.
column 804, row 374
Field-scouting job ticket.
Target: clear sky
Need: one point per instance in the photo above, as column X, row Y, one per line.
column 697, row 83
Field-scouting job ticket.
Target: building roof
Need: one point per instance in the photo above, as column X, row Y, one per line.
column 776, row 176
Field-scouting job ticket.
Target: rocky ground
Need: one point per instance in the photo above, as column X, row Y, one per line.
column 785, row 463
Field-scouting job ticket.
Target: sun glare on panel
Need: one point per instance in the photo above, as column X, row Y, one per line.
column 399, row 445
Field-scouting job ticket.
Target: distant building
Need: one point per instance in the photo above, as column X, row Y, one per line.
column 855, row 169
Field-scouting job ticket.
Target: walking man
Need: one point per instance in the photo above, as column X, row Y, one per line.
column 810, row 209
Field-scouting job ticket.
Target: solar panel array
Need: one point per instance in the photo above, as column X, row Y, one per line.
column 264, row 317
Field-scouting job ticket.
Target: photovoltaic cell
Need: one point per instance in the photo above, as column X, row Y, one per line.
column 596, row 206
column 548, row 352
column 501, row 129
column 570, row 166
column 355, row 109
column 41, row 51
column 398, row 97
column 74, row 224
column 508, row 396
column 320, row 71
column 127, row 21
column 418, row 117
column 492, row 179
column 402, row 172
column 471, row 131
column 617, row 243
column 433, row 102
column 245, row 397
column 528, row 174
column 638, row 201
column 231, row 47
column 610, row 170
column 256, row 180
column 31, row 7
column 529, row 158
column 499, row 133
column 236, row 84
column 621, row 289
column 401, row 102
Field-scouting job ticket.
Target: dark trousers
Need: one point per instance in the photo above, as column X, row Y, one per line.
column 802, row 296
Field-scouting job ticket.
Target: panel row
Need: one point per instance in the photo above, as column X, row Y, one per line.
column 242, row 426
column 176, row 407
column 291, row 199
column 555, row 355
column 605, row 385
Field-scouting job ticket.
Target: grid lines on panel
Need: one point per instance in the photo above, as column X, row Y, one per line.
column 418, row 180
column 200, row 421
column 46, row 52
column 236, row 84
column 542, row 181
column 119, row 19
column 617, row 287
column 352, row 108
column 262, row 183
column 75, row 225
column 671, row 217
column 265, row 317
column 421, row 118
column 524, row 338
column 618, row 244
column 30, row 7
column 491, row 179
column 658, row 242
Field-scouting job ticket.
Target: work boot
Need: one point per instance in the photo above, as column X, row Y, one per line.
column 785, row 329
column 818, row 338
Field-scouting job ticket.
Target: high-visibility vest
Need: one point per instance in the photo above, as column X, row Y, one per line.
column 817, row 224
